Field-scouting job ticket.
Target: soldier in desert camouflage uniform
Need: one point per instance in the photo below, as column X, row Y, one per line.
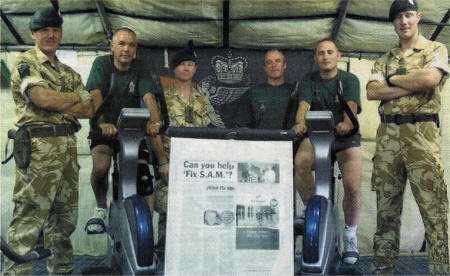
column 408, row 81
column 187, row 107
column 49, row 97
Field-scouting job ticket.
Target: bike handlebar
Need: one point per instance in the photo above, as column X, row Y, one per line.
column 231, row 133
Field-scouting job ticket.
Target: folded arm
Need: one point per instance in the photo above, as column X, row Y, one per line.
column 377, row 90
column 84, row 109
column 419, row 80
column 51, row 99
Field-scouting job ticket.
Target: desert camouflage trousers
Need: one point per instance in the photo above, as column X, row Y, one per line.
column 161, row 190
column 410, row 151
column 46, row 197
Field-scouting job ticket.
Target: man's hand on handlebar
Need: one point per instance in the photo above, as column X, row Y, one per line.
column 108, row 129
column 343, row 128
column 153, row 128
column 300, row 129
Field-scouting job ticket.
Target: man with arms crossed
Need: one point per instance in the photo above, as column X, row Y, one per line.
column 408, row 81
column 49, row 97
column 318, row 91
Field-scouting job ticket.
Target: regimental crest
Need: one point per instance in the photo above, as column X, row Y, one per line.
column 229, row 69
column 131, row 87
column 261, row 106
column 229, row 81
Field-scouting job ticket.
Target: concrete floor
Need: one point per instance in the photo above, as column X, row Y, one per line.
column 95, row 265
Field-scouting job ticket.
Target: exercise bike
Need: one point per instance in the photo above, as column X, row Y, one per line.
column 130, row 228
column 321, row 252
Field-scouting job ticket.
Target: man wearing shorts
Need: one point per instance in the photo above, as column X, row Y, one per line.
column 134, row 83
column 318, row 91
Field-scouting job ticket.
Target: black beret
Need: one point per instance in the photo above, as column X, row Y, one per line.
column 45, row 17
column 401, row 6
column 186, row 54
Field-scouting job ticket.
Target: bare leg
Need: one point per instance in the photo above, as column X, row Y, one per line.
column 304, row 180
column 101, row 161
column 350, row 164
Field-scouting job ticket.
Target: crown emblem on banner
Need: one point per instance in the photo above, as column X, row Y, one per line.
column 229, row 69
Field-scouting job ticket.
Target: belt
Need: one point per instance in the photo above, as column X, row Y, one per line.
column 51, row 131
column 399, row 119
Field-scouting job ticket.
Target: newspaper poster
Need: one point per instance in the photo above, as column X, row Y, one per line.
column 230, row 208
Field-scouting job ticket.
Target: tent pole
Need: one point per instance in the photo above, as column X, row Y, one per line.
column 104, row 19
column 340, row 19
column 440, row 27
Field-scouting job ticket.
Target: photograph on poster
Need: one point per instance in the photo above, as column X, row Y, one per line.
column 257, row 172
column 258, row 226
column 214, row 217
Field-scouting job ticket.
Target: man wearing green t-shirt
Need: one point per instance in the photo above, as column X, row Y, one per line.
column 318, row 92
column 133, row 82
column 269, row 101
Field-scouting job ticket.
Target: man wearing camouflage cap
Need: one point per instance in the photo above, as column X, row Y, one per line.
column 49, row 97
column 408, row 81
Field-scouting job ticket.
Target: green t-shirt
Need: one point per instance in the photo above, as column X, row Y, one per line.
column 321, row 94
column 269, row 104
column 132, row 85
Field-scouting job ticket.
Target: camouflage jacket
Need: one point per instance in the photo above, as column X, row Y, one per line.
column 424, row 52
column 33, row 68
column 189, row 113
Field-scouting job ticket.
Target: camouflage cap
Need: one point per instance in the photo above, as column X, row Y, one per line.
column 45, row 17
column 399, row 6
column 186, row 54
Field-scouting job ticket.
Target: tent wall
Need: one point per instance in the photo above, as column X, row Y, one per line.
column 251, row 24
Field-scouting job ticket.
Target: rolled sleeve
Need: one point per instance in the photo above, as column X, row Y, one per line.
column 377, row 77
column 378, row 72
column 30, row 80
column 439, row 59
column 84, row 95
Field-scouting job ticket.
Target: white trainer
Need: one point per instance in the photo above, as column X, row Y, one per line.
column 351, row 253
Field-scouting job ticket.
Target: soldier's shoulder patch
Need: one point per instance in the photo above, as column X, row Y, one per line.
column 24, row 69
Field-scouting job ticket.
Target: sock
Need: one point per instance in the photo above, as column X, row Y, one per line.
column 350, row 231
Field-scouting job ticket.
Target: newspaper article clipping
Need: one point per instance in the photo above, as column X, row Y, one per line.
column 230, row 208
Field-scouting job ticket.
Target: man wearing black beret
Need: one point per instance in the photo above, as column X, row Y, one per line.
column 49, row 97
column 187, row 107
column 408, row 80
